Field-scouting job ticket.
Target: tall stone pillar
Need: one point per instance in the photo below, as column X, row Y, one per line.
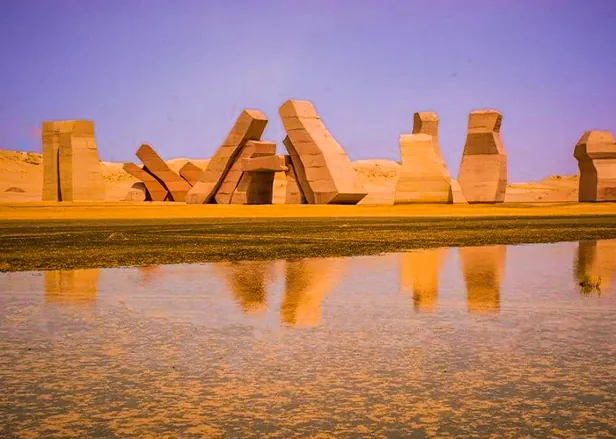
column 483, row 171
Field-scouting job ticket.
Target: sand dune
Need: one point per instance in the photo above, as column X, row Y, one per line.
column 21, row 180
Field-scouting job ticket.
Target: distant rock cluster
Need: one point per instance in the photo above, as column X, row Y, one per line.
column 316, row 168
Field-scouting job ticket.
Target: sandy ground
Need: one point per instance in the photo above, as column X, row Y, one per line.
column 21, row 180
column 124, row 210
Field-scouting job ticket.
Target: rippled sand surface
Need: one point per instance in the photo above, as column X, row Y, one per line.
column 473, row 342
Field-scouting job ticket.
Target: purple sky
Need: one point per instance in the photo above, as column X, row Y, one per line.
column 177, row 73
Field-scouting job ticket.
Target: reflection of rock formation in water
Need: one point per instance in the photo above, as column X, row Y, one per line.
column 149, row 273
column 247, row 282
column 71, row 286
column 306, row 284
column 483, row 270
column 596, row 260
column 419, row 272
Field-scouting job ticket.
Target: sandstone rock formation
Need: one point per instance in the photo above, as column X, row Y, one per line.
column 268, row 163
column 299, row 171
column 51, row 172
column 317, row 156
column 137, row 192
column 423, row 177
column 191, row 173
column 249, row 126
column 596, row 156
column 254, row 188
column 293, row 192
column 251, row 149
column 72, row 169
column 456, row 196
column 483, row 171
column 426, row 122
column 155, row 190
column 155, row 165
column 483, row 269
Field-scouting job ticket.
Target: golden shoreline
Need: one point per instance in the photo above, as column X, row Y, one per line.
column 33, row 211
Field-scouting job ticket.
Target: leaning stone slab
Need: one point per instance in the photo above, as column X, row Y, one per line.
column 299, row 172
column 249, row 126
column 327, row 168
column 155, row 165
column 79, row 168
column 252, row 148
column 596, row 156
column 483, row 171
column 293, row 193
column 155, row 190
column 191, row 173
column 423, row 175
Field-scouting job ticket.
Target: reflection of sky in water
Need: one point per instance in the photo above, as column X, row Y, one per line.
column 485, row 340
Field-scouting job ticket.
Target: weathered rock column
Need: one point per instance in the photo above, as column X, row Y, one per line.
column 423, row 176
column 596, row 156
column 483, row 171
column 72, row 170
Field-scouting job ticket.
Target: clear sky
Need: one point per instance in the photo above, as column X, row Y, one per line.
column 176, row 73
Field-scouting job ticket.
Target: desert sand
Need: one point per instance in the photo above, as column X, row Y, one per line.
column 21, row 180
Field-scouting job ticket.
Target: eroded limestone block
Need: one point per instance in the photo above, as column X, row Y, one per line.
column 51, row 176
column 596, row 156
column 71, row 167
column 423, row 175
column 269, row 163
column 249, row 126
column 254, row 188
column 155, row 165
column 252, row 149
column 327, row 168
column 293, row 193
column 299, row 171
column 81, row 175
column 483, row 171
column 426, row 122
column 483, row 268
column 191, row 173
column 137, row 192
column 155, row 190
column 456, row 196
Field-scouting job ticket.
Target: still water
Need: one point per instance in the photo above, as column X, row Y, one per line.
column 495, row 341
